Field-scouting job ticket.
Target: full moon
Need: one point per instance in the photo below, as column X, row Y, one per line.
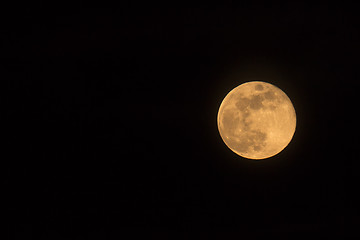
column 256, row 120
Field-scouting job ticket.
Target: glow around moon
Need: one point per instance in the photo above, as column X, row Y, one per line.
column 256, row 120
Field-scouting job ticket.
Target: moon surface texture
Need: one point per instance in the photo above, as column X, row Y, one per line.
column 256, row 120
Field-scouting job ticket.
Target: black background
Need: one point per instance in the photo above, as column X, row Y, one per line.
column 111, row 122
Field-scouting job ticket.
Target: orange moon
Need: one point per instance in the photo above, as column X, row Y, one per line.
column 256, row 120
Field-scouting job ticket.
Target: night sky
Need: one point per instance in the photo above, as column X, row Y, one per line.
column 111, row 128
